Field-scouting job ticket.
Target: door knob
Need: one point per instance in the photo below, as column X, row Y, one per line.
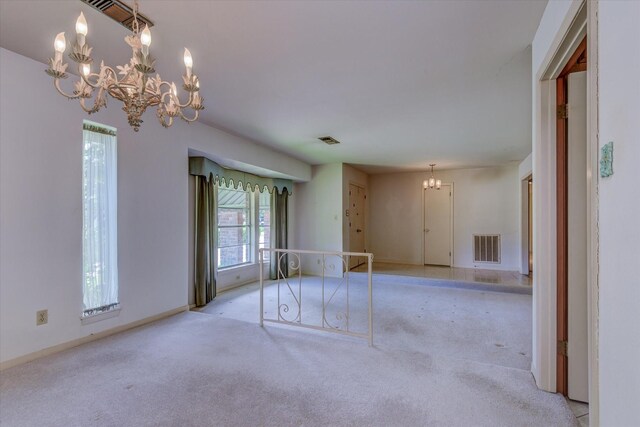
column 426, row 230
column 358, row 231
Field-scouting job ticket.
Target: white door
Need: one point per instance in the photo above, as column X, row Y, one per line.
column 438, row 209
column 577, row 346
column 356, row 223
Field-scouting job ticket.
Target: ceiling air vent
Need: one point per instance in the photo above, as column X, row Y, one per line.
column 119, row 12
column 329, row 140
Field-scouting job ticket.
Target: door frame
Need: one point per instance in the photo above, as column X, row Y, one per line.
column 579, row 18
column 577, row 62
column 526, row 220
column 451, row 216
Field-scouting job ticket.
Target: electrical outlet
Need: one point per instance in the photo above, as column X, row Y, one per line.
column 42, row 317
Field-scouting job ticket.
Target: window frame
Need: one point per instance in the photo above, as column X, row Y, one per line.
column 253, row 228
column 251, row 219
column 94, row 236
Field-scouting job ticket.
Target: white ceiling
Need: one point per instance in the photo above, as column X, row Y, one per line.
column 400, row 84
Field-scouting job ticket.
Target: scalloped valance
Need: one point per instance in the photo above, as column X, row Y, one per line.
column 236, row 179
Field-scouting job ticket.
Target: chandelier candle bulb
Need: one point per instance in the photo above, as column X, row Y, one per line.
column 188, row 61
column 86, row 69
column 174, row 92
column 59, row 45
column 81, row 29
column 145, row 39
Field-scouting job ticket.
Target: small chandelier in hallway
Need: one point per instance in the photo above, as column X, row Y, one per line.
column 432, row 182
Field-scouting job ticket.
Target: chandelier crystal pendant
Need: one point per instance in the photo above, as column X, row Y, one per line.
column 432, row 182
column 133, row 83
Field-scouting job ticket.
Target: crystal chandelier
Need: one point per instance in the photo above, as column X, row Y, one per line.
column 133, row 83
column 432, row 182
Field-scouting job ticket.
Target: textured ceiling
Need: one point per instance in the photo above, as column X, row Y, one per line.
column 400, row 84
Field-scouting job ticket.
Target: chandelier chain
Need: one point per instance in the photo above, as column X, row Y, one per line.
column 135, row 26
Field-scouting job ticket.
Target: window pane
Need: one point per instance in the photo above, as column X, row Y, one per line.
column 264, row 199
column 233, row 236
column 233, row 255
column 233, row 217
column 264, row 222
column 228, row 198
column 264, row 217
column 234, row 227
column 264, row 236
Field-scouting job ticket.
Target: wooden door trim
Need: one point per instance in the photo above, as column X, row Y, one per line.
column 577, row 62
column 562, row 241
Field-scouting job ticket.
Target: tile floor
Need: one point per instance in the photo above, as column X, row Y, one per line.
column 450, row 273
column 581, row 411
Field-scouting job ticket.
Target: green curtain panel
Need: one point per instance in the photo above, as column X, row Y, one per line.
column 279, row 227
column 205, row 239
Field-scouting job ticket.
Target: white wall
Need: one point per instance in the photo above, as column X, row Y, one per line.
column 486, row 200
column 395, row 207
column 619, row 213
column 41, row 217
column 318, row 215
column 351, row 175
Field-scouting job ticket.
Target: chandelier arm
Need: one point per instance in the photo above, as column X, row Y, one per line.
column 162, row 121
column 163, row 95
column 97, row 85
column 56, row 83
column 120, row 89
column 167, row 84
column 96, row 105
column 186, row 119
column 189, row 102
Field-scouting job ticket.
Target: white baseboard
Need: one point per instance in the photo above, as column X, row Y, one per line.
column 237, row 285
column 394, row 261
column 79, row 341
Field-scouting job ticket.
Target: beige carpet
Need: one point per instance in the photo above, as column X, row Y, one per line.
column 444, row 356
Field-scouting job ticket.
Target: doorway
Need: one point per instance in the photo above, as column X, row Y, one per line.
column 572, row 227
column 438, row 226
column 357, row 198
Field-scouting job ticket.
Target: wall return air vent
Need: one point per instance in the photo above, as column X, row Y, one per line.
column 119, row 11
column 329, row 140
column 486, row 248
